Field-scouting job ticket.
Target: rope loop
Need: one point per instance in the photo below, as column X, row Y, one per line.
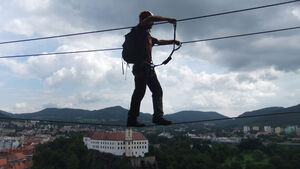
column 173, row 50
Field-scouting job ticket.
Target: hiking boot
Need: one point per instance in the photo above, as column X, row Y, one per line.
column 161, row 121
column 134, row 123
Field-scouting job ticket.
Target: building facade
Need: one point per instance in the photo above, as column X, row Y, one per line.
column 290, row 129
column 255, row 128
column 278, row 130
column 129, row 143
column 8, row 142
column 246, row 129
column 268, row 129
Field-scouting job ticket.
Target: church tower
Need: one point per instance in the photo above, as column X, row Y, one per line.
column 128, row 142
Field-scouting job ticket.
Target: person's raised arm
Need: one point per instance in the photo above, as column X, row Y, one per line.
column 156, row 18
column 167, row 42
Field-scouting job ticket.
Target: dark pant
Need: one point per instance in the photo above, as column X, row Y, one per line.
column 145, row 75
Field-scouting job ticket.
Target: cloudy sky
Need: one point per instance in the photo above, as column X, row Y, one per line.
column 228, row 76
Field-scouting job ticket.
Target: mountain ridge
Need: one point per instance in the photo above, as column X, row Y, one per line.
column 118, row 115
column 277, row 120
column 4, row 114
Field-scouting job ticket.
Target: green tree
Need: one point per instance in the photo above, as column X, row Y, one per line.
column 250, row 144
column 258, row 155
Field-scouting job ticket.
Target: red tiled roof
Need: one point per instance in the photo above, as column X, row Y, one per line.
column 28, row 148
column 19, row 155
column 3, row 162
column 262, row 132
column 4, row 151
column 114, row 135
column 22, row 165
column 33, row 140
column 15, row 156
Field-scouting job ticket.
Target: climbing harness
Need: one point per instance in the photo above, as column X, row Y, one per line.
column 174, row 49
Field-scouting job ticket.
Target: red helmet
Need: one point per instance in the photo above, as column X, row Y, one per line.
column 144, row 15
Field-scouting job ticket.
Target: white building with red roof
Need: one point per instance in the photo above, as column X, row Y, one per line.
column 129, row 143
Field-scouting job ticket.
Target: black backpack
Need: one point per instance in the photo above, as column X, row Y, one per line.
column 131, row 52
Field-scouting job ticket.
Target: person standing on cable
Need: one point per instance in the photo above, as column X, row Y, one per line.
column 143, row 71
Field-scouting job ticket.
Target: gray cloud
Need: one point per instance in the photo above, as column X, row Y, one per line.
column 245, row 78
column 239, row 54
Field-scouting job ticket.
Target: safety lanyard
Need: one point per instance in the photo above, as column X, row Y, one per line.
column 174, row 49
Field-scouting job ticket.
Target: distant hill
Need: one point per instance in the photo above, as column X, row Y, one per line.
column 184, row 116
column 5, row 114
column 112, row 115
column 2, row 115
column 277, row 120
column 118, row 115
